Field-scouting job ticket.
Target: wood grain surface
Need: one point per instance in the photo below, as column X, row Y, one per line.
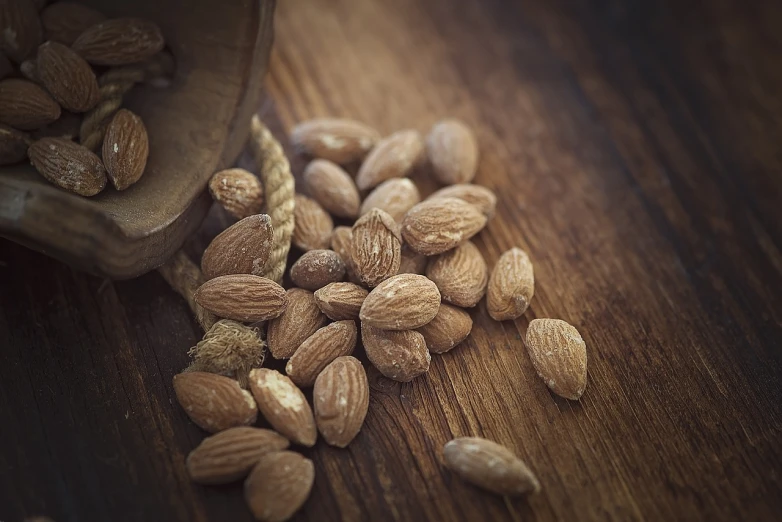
column 635, row 150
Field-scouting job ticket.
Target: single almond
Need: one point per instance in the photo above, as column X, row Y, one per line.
column 242, row 248
column 333, row 188
column 301, row 318
column 231, row 454
column 481, row 197
column 341, row 400
column 313, row 225
column 214, row 402
column 452, row 151
column 460, row 274
column 402, row 302
column 278, row 485
column 67, row 77
column 559, row 356
column 319, row 349
column 125, row 149
column 64, row 22
column 119, row 41
column 437, row 225
column 283, row 405
column 317, row 268
column 339, row 140
column 395, row 196
column 341, row 301
column 25, row 105
column 242, row 297
column 490, row 466
column 393, row 157
column 376, row 247
column 239, row 192
column 399, row 355
column 20, row 29
column 13, row 145
column 449, row 327
column 68, row 165
column 342, row 244
column 511, row 286
column 412, row 262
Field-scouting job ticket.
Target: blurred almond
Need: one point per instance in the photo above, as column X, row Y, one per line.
column 313, row 225
column 119, row 41
column 399, row 355
column 393, row 157
column 239, row 192
column 401, row 302
column 317, row 268
column 242, row 297
column 29, row 69
column 341, row 301
column 13, row 145
column 301, row 318
column 395, row 196
column 460, row 274
column 559, row 356
column 342, row 244
column 376, row 247
column 511, row 286
column 339, row 140
column 322, row 347
column 438, row 225
column 283, row 405
column 125, row 149
column 214, row 402
column 333, row 188
column 452, row 151
column 242, row 248
column 411, row 262
column 25, row 105
column 477, row 195
column 449, row 327
column 67, row 77
column 341, row 400
column 20, row 29
column 68, row 165
column 278, row 485
column 63, row 22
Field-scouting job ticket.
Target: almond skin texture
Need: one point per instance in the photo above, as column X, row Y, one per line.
column 460, row 274
column 393, row 157
column 322, row 347
column 490, row 466
column 242, row 297
column 452, row 151
column 231, row 454
column 395, row 196
column 401, row 356
column 301, row 318
column 313, row 225
column 559, row 356
column 477, row 195
column 449, row 327
column 20, row 29
column 411, row 262
column 341, row 301
column 239, row 192
column 278, row 485
column 119, row 41
column 402, row 302
column 26, row 106
column 511, row 286
column 333, row 188
column 64, row 22
column 317, row 268
column 67, row 77
column 342, row 244
column 376, row 248
column 214, row 402
column 338, row 140
column 242, row 248
column 68, row 165
column 13, row 145
column 125, row 149
column 437, row 225
column 341, row 400
column 284, row 406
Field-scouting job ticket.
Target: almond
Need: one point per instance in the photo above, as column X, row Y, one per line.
column 13, row 145
column 449, row 327
column 376, row 248
column 283, row 405
column 29, row 69
column 338, row 140
column 67, row 77
column 411, row 262
column 278, row 485
column 125, row 149
column 559, row 356
column 317, row 268
column 301, row 318
column 119, row 41
column 341, row 301
column 20, row 29
column 242, row 297
column 452, row 151
column 313, row 225
column 477, row 195
column 395, row 196
column 68, row 165
column 231, row 454
column 341, row 400
column 460, row 274
column 511, row 286
column 320, row 348
column 401, row 356
column 242, row 248
column 393, row 157
column 64, row 22
column 437, row 225
column 401, row 302
column 26, row 106
column 490, row 466
column 333, row 188
column 214, row 402
column 239, row 192
column 342, row 244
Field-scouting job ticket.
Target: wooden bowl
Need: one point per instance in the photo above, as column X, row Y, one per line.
column 196, row 126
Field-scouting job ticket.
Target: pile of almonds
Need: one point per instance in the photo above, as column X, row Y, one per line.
column 400, row 280
column 56, row 54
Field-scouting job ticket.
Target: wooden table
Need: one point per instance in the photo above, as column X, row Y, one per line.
column 635, row 147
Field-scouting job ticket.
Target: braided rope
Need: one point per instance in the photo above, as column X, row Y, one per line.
column 185, row 277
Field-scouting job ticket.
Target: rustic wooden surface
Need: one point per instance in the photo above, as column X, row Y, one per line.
column 635, row 149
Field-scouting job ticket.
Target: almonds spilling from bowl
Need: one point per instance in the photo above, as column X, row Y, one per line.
column 239, row 192
column 402, row 302
column 393, row 157
column 242, row 248
column 283, row 405
column 338, row 140
column 437, row 225
column 278, row 485
column 319, row 349
column 68, row 165
column 300, row 319
column 214, row 402
column 341, row 399
column 242, row 297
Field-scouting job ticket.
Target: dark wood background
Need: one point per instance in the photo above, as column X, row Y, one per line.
column 636, row 148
